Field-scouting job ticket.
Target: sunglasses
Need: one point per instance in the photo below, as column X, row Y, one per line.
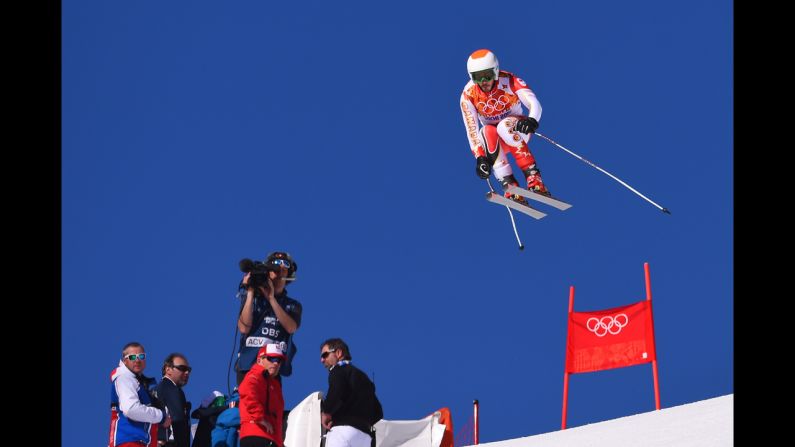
column 274, row 359
column 283, row 262
column 183, row 368
column 481, row 77
column 325, row 354
column 132, row 357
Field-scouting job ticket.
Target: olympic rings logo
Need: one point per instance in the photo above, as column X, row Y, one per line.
column 607, row 325
column 493, row 105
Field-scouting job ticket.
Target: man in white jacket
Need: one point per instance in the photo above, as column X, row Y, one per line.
column 134, row 418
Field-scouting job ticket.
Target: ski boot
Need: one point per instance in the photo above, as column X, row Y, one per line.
column 511, row 180
column 534, row 182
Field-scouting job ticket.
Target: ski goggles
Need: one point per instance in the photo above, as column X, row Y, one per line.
column 132, row 357
column 282, row 262
column 483, row 76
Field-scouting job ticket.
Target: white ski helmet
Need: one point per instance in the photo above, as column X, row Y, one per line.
column 483, row 59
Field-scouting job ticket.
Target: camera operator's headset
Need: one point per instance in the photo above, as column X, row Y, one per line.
column 290, row 277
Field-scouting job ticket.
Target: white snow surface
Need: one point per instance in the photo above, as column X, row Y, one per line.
column 700, row 424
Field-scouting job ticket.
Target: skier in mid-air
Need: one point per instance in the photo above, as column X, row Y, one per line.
column 496, row 97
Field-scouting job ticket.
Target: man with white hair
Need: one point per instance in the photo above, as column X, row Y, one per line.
column 134, row 419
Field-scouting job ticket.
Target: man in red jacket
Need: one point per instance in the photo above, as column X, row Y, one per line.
column 261, row 401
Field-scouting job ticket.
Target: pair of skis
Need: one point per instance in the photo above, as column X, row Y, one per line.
column 509, row 204
column 494, row 197
column 557, row 203
column 536, row 214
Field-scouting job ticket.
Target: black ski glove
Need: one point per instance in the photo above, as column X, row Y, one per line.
column 527, row 125
column 483, row 168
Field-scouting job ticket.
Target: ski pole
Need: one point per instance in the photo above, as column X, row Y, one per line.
column 664, row 210
column 521, row 247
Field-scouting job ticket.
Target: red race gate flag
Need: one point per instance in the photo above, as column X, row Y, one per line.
column 610, row 338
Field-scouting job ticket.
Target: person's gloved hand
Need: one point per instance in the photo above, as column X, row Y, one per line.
column 483, row 167
column 527, row 125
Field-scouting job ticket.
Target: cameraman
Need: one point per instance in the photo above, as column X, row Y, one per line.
column 267, row 314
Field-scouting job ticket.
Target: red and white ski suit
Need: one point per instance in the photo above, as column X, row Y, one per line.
column 497, row 112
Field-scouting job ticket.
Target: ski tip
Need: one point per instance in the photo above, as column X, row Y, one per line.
column 665, row 210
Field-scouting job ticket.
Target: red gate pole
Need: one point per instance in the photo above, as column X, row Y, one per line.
column 565, row 366
column 653, row 362
column 477, row 405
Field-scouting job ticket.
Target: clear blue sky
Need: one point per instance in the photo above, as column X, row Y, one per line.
column 199, row 133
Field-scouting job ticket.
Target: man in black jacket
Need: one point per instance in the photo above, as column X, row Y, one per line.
column 176, row 372
column 351, row 407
